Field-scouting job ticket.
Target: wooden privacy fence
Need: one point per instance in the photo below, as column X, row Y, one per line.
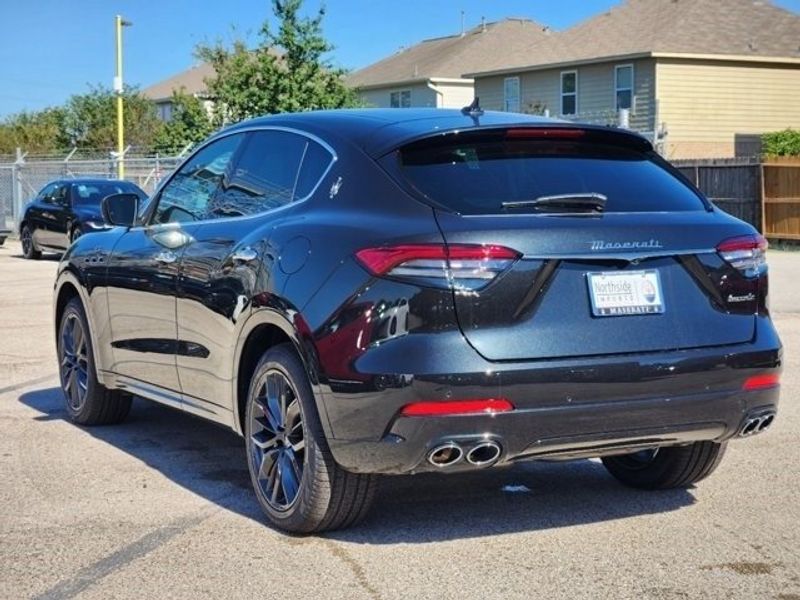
column 764, row 193
column 780, row 193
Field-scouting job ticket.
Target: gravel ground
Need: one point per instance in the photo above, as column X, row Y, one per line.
column 161, row 507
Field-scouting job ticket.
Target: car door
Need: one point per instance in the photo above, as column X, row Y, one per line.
column 143, row 271
column 221, row 270
column 40, row 215
column 61, row 217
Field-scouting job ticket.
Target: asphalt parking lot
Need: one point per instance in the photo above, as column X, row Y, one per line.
column 161, row 506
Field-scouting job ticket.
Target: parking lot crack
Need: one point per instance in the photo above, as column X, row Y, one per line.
column 92, row 574
column 355, row 567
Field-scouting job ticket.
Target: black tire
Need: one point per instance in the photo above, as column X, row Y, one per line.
column 2, row 240
column 29, row 250
column 87, row 401
column 666, row 468
column 283, row 434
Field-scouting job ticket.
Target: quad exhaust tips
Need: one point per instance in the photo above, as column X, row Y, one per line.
column 754, row 425
column 445, row 455
column 482, row 454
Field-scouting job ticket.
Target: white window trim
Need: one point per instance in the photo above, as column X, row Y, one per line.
column 400, row 97
column 618, row 89
column 561, row 97
column 519, row 94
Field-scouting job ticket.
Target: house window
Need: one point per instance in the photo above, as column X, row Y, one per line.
column 165, row 111
column 400, row 99
column 511, row 94
column 569, row 93
column 623, row 86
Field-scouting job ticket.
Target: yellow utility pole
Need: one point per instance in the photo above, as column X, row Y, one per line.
column 119, row 24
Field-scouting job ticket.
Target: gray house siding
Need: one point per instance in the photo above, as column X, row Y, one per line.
column 541, row 90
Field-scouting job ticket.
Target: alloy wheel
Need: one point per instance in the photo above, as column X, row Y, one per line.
column 74, row 363
column 27, row 241
column 277, row 440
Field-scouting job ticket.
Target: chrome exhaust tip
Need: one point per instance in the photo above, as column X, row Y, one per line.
column 445, row 455
column 484, row 454
column 758, row 424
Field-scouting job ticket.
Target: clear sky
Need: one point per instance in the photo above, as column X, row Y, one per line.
column 50, row 49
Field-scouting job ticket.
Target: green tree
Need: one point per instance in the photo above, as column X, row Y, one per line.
column 36, row 131
column 287, row 71
column 189, row 124
column 91, row 119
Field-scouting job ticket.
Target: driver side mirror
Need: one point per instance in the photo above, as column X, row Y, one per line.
column 120, row 209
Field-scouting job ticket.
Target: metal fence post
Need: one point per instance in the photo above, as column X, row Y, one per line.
column 16, row 188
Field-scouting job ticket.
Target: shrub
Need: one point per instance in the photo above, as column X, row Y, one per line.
column 781, row 143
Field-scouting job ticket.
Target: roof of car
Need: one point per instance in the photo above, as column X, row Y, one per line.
column 380, row 130
column 87, row 180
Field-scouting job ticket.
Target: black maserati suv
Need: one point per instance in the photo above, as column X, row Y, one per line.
column 65, row 209
column 375, row 292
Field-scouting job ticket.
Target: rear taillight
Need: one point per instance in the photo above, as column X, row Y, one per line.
column 446, row 408
column 762, row 382
column 747, row 253
column 459, row 266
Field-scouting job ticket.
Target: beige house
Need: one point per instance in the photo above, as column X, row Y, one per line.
column 191, row 81
column 431, row 72
column 704, row 77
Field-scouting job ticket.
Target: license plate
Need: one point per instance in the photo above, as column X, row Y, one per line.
column 629, row 293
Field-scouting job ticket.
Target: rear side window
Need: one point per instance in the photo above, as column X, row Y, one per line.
column 476, row 176
column 315, row 165
column 266, row 172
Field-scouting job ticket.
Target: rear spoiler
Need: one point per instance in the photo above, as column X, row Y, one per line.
column 553, row 130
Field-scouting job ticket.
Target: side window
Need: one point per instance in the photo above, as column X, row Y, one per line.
column 265, row 175
column 188, row 195
column 569, row 93
column 60, row 195
column 46, row 195
column 315, row 164
column 400, row 99
column 511, row 94
column 623, row 86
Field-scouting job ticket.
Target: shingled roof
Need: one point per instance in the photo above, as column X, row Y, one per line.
column 743, row 28
column 450, row 57
column 192, row 81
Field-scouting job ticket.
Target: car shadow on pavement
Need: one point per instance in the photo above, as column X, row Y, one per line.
column 209, row 460
column 45, row 257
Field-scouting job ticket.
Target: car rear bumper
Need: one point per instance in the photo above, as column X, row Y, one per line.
column 563, row 409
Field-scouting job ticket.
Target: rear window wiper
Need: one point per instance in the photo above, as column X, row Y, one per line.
column 590, row 202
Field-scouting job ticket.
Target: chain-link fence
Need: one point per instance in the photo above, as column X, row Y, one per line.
column 22, row 179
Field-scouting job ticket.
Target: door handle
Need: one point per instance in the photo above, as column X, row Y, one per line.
column 166, row 257
column 244, row 255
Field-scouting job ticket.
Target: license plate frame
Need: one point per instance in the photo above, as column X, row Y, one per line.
column 625, row 293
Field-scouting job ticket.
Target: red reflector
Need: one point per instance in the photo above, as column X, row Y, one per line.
column 380, row 261
column 744, row 242
column 760, row 382
column 540, row 132
column 456, row 407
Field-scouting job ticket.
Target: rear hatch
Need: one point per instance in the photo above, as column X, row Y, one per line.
column 615, row 252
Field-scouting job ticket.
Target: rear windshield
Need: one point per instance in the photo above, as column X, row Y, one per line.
column 478, row 176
